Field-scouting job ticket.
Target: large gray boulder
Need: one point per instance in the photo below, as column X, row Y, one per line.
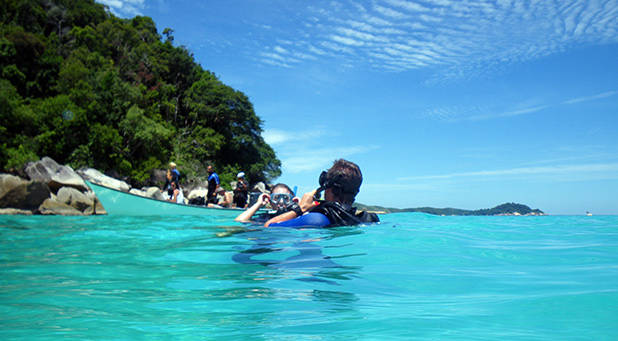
column 99, row 178
column 155, row 193
column 54, row 175
column 137, row 192
column 75, row 198
column 54, row 207
column 16, row 192
column 197, row 192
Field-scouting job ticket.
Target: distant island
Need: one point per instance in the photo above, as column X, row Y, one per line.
column 504, row 209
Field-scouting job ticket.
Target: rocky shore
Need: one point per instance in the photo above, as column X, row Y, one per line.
column 48, row 188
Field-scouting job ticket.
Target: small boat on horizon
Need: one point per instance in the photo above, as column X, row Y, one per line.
column 588, row 213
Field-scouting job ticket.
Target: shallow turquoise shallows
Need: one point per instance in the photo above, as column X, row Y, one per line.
column 414, row 276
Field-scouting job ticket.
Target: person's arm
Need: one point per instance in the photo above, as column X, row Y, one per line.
column 173, row 199
column 311, row 219
column 247, row 214
column 306, row 203
column 282, row 217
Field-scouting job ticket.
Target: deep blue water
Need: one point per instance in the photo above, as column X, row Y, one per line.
column 414, row 276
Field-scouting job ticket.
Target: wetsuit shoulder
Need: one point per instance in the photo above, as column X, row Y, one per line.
column 311, row 219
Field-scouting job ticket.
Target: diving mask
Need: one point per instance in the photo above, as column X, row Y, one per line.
column 280, row 200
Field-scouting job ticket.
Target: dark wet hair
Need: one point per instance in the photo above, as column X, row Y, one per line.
column 272, row 189
column 345, row 179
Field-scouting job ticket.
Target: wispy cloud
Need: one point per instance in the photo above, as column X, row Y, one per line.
column 508, row 113
column 457, row 38
column 275, row 136
column 549, row 170
column 461, row 36
column 476, row 113
column 591, row 98
column 295, row 158
column 311, row 160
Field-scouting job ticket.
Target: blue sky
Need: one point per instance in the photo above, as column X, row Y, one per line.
column 443, row 103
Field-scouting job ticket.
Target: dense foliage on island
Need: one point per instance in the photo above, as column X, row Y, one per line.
column 504, row 209
column 86, row 88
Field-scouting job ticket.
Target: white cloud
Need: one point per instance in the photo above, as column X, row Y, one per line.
column 591, row 98
column 124, row 8
column 549, row 170
column 464, row 38
column 280, row 49
column 407, row 5
column 276, row 136
column 346, row 41
column 476, row 113
column 311, row 160
column 390, row 13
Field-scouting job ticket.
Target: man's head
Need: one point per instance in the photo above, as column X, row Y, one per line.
column 209, row 169
column 172, row 165
column 240, row 175
column 342, row 181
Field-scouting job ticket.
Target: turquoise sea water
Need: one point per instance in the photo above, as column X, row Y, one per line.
column 414, row 276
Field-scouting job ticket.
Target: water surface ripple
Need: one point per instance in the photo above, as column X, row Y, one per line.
column 414, row 276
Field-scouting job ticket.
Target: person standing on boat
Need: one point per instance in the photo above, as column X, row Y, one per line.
column 169, row 178
column 241, row 191
column 213, row 183
column 340, row 184
column 175, row 172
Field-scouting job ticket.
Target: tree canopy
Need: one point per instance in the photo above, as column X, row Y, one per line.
column 89, row 89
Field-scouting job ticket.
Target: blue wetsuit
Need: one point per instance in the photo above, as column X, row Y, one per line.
column 213, row 182
column 331, row 214
column 311, row 219
column 176, row 174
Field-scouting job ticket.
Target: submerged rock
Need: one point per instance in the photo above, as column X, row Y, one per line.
column 55, row 207
column 14, row 211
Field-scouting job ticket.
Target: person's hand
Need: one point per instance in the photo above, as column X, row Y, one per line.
column 306, row 202
column 263, row 199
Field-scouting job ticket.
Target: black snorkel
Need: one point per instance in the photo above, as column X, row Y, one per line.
column 323, row 185
column 336, row 184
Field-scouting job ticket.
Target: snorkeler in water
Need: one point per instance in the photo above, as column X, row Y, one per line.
column 281, row 200
column 340, row 185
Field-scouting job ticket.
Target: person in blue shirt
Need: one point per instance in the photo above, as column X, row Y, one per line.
column 213, row 183
column 340, row 185
column 175, row 171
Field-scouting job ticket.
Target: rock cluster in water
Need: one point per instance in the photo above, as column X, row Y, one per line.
column 49, row 188
column 46, row 187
